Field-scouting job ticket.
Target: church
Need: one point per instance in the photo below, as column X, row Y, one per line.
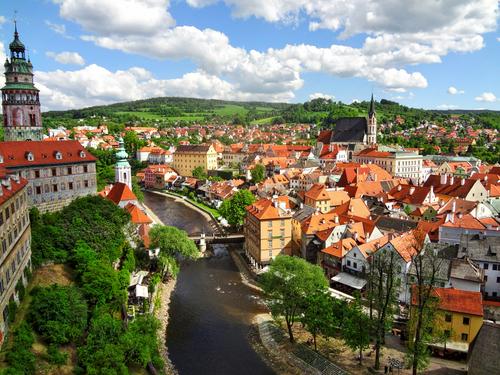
column 57, row 171
column 353, row 133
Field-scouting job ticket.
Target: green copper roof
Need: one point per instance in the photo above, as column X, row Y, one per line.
column 19, row 86
column 121, row 155
column 16, row 44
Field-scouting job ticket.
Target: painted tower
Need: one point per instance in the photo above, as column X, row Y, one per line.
column 372, row 124
column 123, row 171
column 22, row 119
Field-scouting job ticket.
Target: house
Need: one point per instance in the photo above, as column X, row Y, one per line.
column 121, row 195
column 483, row 351
column 323, row 199
column 268, row 230
column 457, row 225
column 466, row 275
column 189, row 157
column 460, row 316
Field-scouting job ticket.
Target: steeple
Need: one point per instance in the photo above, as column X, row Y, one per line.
column 371, row 111
column 123, row 172
column 16, row 46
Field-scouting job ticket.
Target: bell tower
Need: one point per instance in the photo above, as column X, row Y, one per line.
column 123, row 171
column 372, row 124
column 22, row 119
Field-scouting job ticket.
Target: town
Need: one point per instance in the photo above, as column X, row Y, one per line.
column 369, row 245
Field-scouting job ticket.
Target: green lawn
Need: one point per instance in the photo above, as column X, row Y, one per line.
column 144, row 115
column 230, row 109
column 267, row 120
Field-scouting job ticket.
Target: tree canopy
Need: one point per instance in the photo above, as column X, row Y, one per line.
column 233, row 209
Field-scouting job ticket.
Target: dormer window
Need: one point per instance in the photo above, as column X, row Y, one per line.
column 58, row 155
column 30, row 156
column 82, row 154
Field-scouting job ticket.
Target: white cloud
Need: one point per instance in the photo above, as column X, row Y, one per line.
column 486, row 97
column 454, row 91
column 66, row 57
column 2, row 20
column 317, row 95
column 432, row 30
column 58, row 28
column 95, row 85
column 446, row 106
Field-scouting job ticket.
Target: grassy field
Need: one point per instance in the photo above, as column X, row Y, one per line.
column 263, row 121
column 144, row 115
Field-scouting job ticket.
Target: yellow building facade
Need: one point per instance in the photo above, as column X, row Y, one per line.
column 15, row 242
column 189, row 157
column 268, row 231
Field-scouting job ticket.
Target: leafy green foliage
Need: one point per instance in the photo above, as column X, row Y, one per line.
column 105, row 171
column 20, row 358
column 199, row 173
column 233, row 209
column 258, row 173
column 103, row 352
column 101, row 284
column 55, row 356
column 356, row 328
column 287, row 284
column 93, row 219
column 141, row 343
column 58, row 313
column 317, row 313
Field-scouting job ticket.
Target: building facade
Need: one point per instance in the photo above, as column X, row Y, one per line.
column 189, row 157
column 268, row 230
column 57, row 172
column 398, row 164
column 22, row 119
column 15, row 239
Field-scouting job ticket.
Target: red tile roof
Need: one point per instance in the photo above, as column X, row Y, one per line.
column 456, row 300
column 137, row 216
column 15, row 154
column 121, row 192
column 11, row 186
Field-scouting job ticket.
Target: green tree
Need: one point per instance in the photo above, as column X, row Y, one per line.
column 101, row 284
column 317, row 313
column 422, row 331
column 383, row 280
column 233, row 209
column 58, row 313
column 287, row 283
column 132, row 143
column 172, row 243
column 19, row 356
column 199, row 173
column 140, row 342
column 356, row 328
column 103, row 352
column 258, row 173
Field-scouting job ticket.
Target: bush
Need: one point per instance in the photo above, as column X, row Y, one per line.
column 58, row 313
column 20, row 358
column 21, row 290
column 55, row 357
column 12, row 311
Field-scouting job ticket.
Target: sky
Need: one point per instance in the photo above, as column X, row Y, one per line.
column 435, row 54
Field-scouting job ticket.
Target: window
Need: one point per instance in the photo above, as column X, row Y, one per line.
column 85, row 169
column 355, row 265
column 270, row 244
column 1, row 217
column 485, row 266
column 465, row 336
column 447, row 318
column 485, row 278
column 495, row 267
column 37, row 173
column 38, row 190
column 349, row 263
column 70, row 185
column 54, row 172
column 70, row 171
column 447, row 333
column 498, row 279
column 270, row 253
column 269, row 224
column 86, row 183
column 465, row 321
column 4, row 246
column 54, row 188
column 494, row 294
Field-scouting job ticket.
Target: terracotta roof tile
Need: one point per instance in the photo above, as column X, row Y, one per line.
column 121, row 192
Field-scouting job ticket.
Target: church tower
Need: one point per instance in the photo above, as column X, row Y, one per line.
column 123, row 171
column 22, row 119
column 372, row 124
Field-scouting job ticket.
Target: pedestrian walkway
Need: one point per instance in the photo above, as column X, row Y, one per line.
column 301, row 356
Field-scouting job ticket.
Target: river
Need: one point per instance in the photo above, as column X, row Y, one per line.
column 211, row 310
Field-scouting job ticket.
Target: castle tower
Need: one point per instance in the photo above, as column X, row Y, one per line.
column 22, row 119
column 123, row 172
column 372, row 124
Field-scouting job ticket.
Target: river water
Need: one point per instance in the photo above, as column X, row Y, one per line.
column 210, row 310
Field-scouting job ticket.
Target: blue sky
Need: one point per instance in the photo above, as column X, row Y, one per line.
column 430, row 54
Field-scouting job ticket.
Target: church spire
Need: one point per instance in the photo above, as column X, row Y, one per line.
column 16, row 47
column 371, row 111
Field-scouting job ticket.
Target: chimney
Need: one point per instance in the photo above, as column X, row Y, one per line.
column 444, row 179
column 412, row 190
column 462, row 182
column 399, row 187
column 486, row 178
column 336, row 219
column 454, row 206
column 452, row 180
column 355, row 236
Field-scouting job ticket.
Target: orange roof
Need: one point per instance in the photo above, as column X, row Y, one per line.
column 340, row 249
column 464, row 221
column 121, row 192
column 319, row 222
column 13, row 187
column 264, row 209
column 370, row 247
column 456, row 300
column 354, row 207
column 317, row 192
column 409, row 244
column 137, row 215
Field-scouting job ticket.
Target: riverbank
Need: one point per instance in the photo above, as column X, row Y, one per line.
column 186, row 201
column 162, row 314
